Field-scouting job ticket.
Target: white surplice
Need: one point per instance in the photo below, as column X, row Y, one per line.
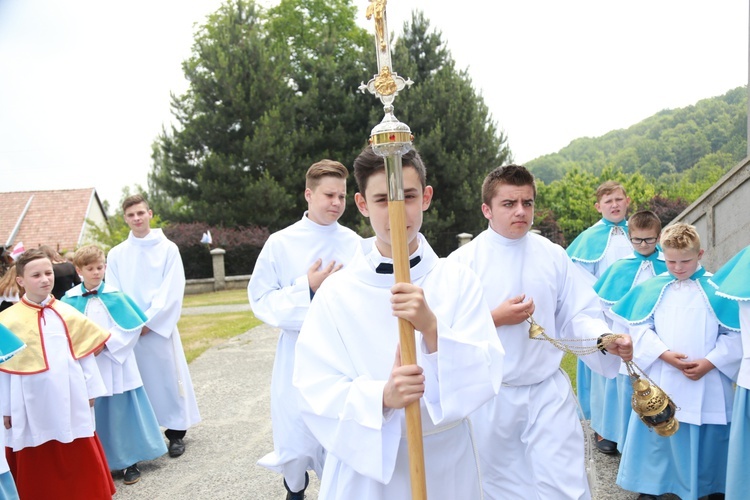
column 53, row 404
column 619, row 246
column 684, row 322
column 149, row 270
column 345, row 354
column 117, row 364
column 533, row 420
column 279, row 295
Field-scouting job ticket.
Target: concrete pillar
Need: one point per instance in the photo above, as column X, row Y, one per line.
column 464, row 238
column 217, row 257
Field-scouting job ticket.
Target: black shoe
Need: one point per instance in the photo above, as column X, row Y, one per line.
column 605, row 445
column 176, row 447
column 132, row 474
column 646, row 496
column 299, row 495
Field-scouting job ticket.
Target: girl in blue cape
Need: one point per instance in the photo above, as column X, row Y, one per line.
column 686, row 339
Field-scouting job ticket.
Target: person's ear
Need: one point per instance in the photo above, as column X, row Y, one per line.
column 486, row 211
column 700, row 254
column 361, row 203
column 308, row 194
column 427, row 197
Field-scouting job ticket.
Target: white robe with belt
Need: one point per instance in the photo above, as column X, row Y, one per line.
column 345, row 354
column 149, row 270
column 279, row 295
column 535, row 411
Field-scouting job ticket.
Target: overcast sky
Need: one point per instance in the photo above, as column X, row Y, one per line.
column 84, row 84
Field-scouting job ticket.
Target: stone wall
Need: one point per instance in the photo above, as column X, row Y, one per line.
column 722, row 216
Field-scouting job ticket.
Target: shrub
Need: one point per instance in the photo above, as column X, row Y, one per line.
column 242, row 245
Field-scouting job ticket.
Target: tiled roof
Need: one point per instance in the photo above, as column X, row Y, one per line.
column 55, row 218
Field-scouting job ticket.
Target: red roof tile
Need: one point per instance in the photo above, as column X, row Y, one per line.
column 55, row 218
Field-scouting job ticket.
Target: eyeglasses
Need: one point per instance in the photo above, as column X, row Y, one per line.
column 648, row 241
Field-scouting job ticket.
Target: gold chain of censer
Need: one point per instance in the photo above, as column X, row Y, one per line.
column 654, row 407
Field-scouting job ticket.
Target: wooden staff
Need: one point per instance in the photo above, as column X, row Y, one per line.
column 391, row 139
column 401, row 272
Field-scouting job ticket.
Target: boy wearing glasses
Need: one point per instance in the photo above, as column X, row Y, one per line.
column 609, row 417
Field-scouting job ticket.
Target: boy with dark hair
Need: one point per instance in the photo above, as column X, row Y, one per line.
column 354, row 391
column 688, row 343
column 291, row 267
column 610, row 415
column 125, row 420
column 148, row 268
column 529, row 437
column 47, row 391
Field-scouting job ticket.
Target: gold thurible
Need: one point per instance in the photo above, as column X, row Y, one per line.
column 653, row 406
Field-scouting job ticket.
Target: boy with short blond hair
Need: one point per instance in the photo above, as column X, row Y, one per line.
column 594, row 250
column 687, row 342
column 125, row 420
column 293, row 263
column 348, row 367
column 610, row 415
column 47, row 389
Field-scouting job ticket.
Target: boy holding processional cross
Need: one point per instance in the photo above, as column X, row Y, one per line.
column 348, row 366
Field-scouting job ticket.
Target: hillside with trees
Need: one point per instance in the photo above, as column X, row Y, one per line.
column 666, row 162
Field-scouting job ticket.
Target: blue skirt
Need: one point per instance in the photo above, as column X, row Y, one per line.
column 583, row 388
column 8, row 487
column 605, row 407
column 624, row 409
column 128, row 429
column 738, row 479
column 690, row 464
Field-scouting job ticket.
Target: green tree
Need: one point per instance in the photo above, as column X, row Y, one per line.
column 226, row 156
column 453, row 128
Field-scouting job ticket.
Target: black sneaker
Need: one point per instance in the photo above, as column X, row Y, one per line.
column 176, row 447
column 605, row 445
column 298, row 495
column 132, row 474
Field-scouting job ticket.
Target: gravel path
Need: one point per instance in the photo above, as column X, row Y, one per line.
column 232, row 386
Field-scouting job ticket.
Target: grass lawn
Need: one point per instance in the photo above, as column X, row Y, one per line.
column 216, row 298
column 569, row 363
column 202, row 331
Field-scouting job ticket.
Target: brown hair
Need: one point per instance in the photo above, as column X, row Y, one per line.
column 8, row 284
column 90, row 254
column 134, row 200
column 513, row 175
column 324, row 168
column 30, row 256
column 645, row 219
column 608, row 187
column 681, row 236
column 369, row 163
column 53, row 255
